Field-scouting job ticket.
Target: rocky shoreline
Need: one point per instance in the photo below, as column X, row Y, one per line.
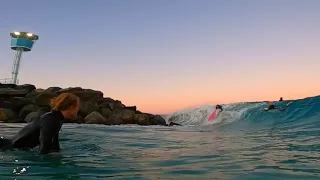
column 24, row 103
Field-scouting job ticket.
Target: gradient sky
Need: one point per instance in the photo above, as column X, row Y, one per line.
column 169, row 54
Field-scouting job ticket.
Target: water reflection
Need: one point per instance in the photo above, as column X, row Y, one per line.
column 131, row 152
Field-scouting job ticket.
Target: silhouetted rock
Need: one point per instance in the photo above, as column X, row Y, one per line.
column 2, row 86
column 157, row 120
column 95, row 118
column 25, row 103
column 106, row 112
column 133, row 108
column 53, row 89
column 43, row 98
column 7, row 114
column 87, row 107
column 142, row 119
column 10, row 92
column 28, row 87
column 31, row 117
column 28, row 109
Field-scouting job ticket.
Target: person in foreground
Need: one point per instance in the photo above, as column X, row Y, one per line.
column 44, row 131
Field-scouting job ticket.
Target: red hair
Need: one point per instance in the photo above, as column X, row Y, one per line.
column 64, row 101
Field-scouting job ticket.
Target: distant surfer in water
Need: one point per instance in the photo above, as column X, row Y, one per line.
column 271, row 106
column 44, row 131
column 281, row 99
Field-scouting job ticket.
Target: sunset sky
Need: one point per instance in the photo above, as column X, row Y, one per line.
column 165, row 55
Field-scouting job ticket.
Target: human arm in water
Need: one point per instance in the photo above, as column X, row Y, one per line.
column 55, row 144
column 49, row 141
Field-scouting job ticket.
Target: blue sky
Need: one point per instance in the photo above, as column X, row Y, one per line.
column 145, row 52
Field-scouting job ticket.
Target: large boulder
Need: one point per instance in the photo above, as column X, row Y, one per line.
column 14, row 103
column 133, row 108
column 113, row 105
column 89, row 95
column 105, row 104
column 84, row 94
column 142, row 119
column 157, row 120
column 77, row 120
column 31, row 117
column 28, row 109
column 28, row 87
column 53, row 89
column 10, row 92
column 37, row 114
column 95, row 118
column 127, row 116
column 116, row 106
column 115, row 119
column 7, row 86
column 7, row 114
column 70, row 90
column 5, row 103
column 33, row 94
column 87, row 107
column 43, row 99
column 106, row 112
column 106, row 100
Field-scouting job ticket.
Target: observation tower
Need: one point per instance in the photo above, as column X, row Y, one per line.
column 20, row 42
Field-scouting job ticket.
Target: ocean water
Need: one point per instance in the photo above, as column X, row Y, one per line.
column 242, row 142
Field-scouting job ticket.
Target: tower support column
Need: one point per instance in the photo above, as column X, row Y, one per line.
column 16, row 65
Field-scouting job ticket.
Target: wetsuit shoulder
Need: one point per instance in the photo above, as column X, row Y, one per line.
column 51, row 119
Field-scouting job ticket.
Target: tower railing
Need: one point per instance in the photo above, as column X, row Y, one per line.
column 8, row 81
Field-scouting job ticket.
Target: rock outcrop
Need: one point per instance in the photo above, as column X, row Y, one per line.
column 25, row 103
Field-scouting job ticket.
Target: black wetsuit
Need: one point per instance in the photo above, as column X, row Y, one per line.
column 219, row 107
column 43, row 131
column 271, row 107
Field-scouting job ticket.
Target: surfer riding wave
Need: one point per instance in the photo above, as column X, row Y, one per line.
column 219, row 107
column 214, row 113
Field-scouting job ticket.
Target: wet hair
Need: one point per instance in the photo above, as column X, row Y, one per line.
column 63, row 101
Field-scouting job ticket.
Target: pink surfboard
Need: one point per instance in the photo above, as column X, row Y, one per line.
column 212, row 115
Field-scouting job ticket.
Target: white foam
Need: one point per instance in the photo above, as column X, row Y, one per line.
column 199, row 116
